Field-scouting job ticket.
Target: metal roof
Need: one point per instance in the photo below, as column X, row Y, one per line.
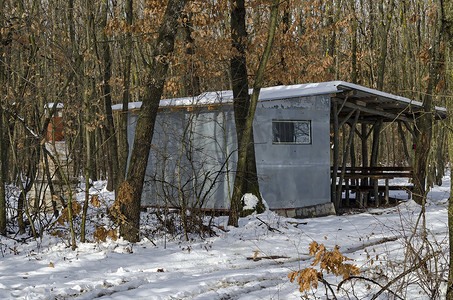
column 367, row 99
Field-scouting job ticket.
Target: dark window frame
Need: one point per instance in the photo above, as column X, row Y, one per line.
column 284, row 132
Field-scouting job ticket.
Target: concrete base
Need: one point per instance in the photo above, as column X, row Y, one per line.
column 319, row 210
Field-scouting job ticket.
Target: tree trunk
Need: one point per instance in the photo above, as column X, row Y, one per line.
column 245, row 141
column 383, row 35
column 354, row 45
column 123, row 144
column 3, row 158
column 238, row 66
column 447, row 30
column 424, row 123
column 110, row 136
column 154, row 86
column 191, row 79
column 3, row 164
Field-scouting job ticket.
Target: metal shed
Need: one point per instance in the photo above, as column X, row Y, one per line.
column 194, row 144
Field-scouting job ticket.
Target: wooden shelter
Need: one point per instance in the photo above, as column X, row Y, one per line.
column 371, row 109
column 296, row 131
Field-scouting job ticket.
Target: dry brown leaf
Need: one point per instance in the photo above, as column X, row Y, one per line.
column 95, row 201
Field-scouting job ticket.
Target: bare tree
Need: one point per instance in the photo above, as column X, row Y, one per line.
column 154, row 85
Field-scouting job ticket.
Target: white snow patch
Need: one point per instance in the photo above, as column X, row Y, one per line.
column 250, row 201
column 222, row 266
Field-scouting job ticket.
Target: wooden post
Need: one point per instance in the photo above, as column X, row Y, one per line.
column 386, row 194
column 359, row 198
column 364, row 138
column 374, row 157
column 336, row 145
column 345, row 157
column 346, row 181
column 404, row 143
column 376, row 192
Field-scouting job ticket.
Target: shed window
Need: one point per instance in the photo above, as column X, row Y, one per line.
column 291, row 132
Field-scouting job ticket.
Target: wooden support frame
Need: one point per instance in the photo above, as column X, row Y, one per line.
column 372, row 111
column 374, row 157
column 336, row 145
column 371, row 116
column 345, row 157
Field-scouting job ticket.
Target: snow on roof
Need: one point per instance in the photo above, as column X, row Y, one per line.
column 279, row 92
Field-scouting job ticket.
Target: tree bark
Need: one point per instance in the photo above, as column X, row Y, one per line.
column 243, row 167
column 154, row 85
column 447, row 32
column 383, row 35
column 425, row 121
column 123, row 144
column 3, row 164
column 3, row 161
column 238, row 66
column 110, row 136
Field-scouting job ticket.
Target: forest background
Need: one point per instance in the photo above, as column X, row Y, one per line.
column 89, row 55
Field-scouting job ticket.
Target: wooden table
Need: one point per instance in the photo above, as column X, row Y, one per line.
column 368, row 174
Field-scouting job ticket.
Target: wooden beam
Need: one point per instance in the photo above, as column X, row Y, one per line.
column 387, row 115
column 346, row 118
column 360, row 102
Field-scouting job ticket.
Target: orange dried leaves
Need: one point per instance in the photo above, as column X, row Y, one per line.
column 305, row 278
column 329, row 261
column 125, row 196
column 64, row 217
column 101, row 234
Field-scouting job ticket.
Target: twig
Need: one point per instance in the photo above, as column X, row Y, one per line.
column 421, row 263
column 320, row 278
column 366, row 279
column 269, row 226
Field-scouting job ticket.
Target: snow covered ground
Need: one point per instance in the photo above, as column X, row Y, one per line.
column 222, row 266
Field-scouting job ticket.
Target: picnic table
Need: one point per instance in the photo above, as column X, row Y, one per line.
column 362, row 180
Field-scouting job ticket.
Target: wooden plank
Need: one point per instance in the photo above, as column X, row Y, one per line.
column 381, row 187
column 377, row 176
column 176, row 108
column 379, row 169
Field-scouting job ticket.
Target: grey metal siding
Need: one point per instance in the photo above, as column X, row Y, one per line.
column 190, row 151
column 294, row 176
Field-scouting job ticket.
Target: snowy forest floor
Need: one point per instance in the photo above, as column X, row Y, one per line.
column 382, row 242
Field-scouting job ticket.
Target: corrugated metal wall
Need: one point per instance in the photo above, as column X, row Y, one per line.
column 190, row 151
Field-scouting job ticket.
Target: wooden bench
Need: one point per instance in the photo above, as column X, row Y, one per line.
column 369, row 182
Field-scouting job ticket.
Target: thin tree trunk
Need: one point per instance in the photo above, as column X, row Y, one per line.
column 3, row 161
column 110, row 136
column 246, row 139
column 3, row 164
column 192, row 81
column 354, row 45
column 88, row 160
column 424, row 123
column 447, row 31
column 383, row 35
column 403, row 141
column 123, row 144
column 154, row 85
